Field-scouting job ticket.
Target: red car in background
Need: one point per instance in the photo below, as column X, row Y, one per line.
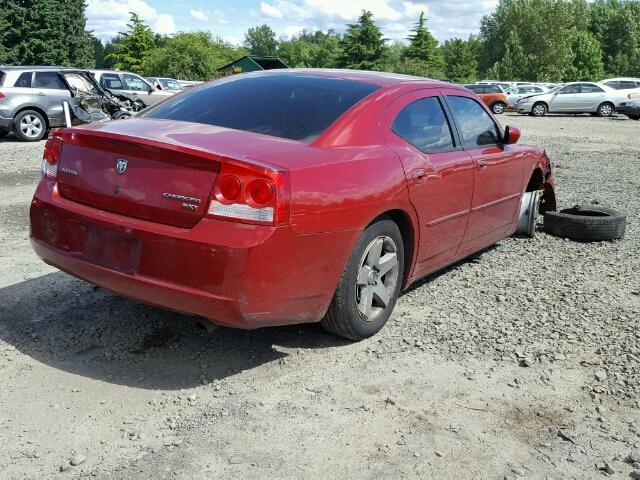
column 284, row 197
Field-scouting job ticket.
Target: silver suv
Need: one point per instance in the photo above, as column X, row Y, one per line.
column 31, row 100
column 125, row 82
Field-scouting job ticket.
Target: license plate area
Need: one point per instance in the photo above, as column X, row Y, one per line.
column 111, row 250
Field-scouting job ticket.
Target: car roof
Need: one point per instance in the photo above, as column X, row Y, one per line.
column 381, row 79
column 31, row 68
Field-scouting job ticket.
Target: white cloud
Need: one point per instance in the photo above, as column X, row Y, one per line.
column 199, row 15
column 108, row 17
column 270, row 11
column 292, row 30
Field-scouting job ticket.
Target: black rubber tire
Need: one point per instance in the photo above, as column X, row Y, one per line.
column 121, row 115
column 21, row 136
column 586, row 223
column 343, row 317
column 501, row 107
column 607, row 104
column 634, row 117
column 533, row 108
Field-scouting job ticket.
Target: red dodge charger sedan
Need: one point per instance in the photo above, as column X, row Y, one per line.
column 285, row 197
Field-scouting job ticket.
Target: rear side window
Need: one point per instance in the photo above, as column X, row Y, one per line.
column 287, row 105
column 589, row 88
column 2, row 75
column 111, row 81
column 424, row 125
column 613, row 84
column 49, row 80
column 24, row 80
column 493, row 89
column 626, row 84
column 474, row 123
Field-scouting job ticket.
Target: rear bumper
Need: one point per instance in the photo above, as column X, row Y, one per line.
column 238, row 275
column 628, row 109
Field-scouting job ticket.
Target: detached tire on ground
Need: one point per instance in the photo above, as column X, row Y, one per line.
column 370, row 283
column 587, row 223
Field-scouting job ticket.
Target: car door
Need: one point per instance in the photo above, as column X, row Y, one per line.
column 498, row 172
column 565, row 99
column 439, row 172
column 591, row 96
column 52, row 91
column 112, row 82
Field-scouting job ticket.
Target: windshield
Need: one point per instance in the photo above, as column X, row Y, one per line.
column 287, row 105
column 80, row 83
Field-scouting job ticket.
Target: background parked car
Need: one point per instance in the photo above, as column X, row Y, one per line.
column 576, row 97
column 167, row 84
column 492, row 96
column 515, row 94
column 31, row 100
column 127, row 82
column 622, row 83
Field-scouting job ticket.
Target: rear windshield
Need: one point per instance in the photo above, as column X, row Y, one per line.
column 294, row 106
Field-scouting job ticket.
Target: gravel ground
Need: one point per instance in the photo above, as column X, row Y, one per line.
column 520, row 362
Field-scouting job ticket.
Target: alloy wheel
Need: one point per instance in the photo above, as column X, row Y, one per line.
column 606, row 110
column 31, row 126
column 377, row 277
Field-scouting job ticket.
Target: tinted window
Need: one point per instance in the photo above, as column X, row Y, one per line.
column 590, row 88
column 49, row 80
column 613, row 84
column 424, row 125
column 111, row 81
column 493, row 89
column 625, row 84
column 135, row 83
column 570, row 89
column 299, row 107
column 24, row 80
column 2, row 75
column 476, row 88
column 474, row 124
column 168, row 84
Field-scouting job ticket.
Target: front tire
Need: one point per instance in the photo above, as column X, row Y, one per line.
column 539, row 110
column 498, row 108
column 29, row 126
column 605, row 109
column 370, row 283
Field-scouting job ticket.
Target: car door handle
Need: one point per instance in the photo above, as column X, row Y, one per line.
column 42, row 94
column 482, row 164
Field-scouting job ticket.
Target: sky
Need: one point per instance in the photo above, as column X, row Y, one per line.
column 231, row 18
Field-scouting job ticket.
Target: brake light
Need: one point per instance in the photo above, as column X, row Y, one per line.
column 2, row 96
column 51, row 156
column 250, row 193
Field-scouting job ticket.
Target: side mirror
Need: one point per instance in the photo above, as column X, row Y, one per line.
column 511, row 135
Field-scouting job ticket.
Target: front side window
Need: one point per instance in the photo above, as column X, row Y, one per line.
column 135, row 83
column 24, row 80
column 570, row 89
column 168, row 84
column 49, row 80
column 424, row 125
column 474, row 123
column 287, row 105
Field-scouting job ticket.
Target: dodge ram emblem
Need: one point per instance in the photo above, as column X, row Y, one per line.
column 121, row 165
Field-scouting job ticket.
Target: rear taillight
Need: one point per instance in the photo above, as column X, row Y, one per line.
column 2, row 97
column 250, row 193
column 51, row 156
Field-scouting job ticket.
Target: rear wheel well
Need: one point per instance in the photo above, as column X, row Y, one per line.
column 35, row 109
column 536, row 182
column 403, row 221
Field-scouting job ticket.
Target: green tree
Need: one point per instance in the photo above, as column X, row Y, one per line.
column 311, row 49
column 540, row 31
column 587, row 61
column 363, row 45
column 132, row 47
column 423, row 47
column 49, row 32
column 190, row 56
column 98, row 52
column 261, row 41
column 460, row 61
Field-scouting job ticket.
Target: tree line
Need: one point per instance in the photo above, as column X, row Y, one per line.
column 536, row 40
